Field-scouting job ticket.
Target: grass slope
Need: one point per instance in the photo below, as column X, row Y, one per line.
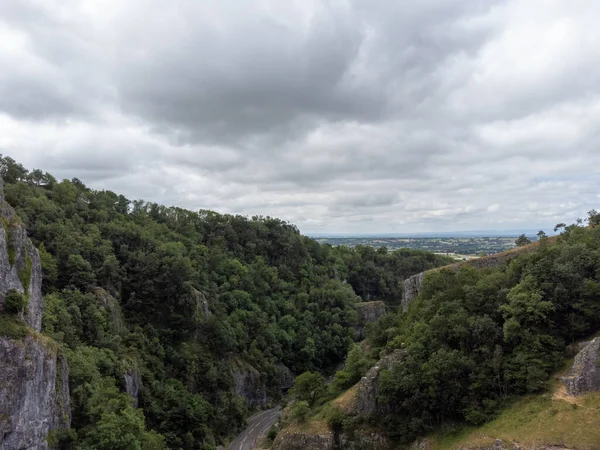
column 533, row 421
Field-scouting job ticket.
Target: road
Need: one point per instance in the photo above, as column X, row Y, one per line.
column 258, row 426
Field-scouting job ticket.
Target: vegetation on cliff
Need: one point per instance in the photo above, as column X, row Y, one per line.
column 180, row 298
column 476, row 339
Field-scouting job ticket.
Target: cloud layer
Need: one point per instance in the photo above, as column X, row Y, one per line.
column 339, row 116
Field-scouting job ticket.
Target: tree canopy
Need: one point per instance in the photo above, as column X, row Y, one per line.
column 183, row 299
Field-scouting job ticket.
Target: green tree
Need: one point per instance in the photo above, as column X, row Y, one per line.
column 118, row 425
column 11, row 171
column 522, row 240
column 308, row 387
column 593, row 218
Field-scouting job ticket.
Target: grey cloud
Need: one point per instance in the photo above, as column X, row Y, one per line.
column 51, row 67
column 338, row 116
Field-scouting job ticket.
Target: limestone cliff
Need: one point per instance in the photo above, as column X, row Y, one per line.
column 368, row 312
column 411, row 288
column 248, row 384
column 34, row 389
column 584, row 375
column 305, row 440
column 364, row 439
column 368, row 385
column 20, row 266
column 34, row 393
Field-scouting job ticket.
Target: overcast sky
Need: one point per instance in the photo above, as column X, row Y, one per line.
column 339, row 116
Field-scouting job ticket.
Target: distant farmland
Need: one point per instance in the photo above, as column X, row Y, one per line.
column 458, row 247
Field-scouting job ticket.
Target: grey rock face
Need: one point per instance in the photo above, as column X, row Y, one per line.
column 304, row 441
column 34, row 394
column 368, row 312
column 364, row 440
column 584, row 375
column 368, row 385
column 25, row 272
column 34, row 378
column 285, row 379
column 133, row 382
column 411, row 288
column 113, row 307
column 248, row 384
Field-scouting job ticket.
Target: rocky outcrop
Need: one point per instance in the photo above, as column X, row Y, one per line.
column 368, row 312
column 368, row 385
column 584, row 375
column 285, row 378
column 411, row 288
column 20, row 266
column 34, row 377
column 300, row 440
column 112, row 306
column 133, row 382
column 34, row 393
column 362, row 439
column 248, row 384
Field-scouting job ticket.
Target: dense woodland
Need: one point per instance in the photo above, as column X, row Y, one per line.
column 185, row 298
column 476, row 339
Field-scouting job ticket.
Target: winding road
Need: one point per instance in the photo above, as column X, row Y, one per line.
column 258, row 426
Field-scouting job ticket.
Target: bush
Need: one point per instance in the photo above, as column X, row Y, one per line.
column 272, row 433
column 12, row 327
column 300, row 412
column 14, row 302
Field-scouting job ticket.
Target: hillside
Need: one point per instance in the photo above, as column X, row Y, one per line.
column 474, row 351
column 176, row 325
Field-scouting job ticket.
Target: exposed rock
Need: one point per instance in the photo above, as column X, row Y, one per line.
column 411, row 288
column 248, row 384
column 34, row 378
column 584, row 375
column 34, row 394
column 133, row 382
column 368, row 312
column 304, row 441
column 285, row 378
column 20, row 266
column 421, row 444
column 113, row 307
column 368, row 385
column 202, row 306
column 362, row 439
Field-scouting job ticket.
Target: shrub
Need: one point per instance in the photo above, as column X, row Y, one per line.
column 14, row 302
column 300, row 412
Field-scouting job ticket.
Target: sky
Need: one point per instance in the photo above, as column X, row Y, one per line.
column 355, row 116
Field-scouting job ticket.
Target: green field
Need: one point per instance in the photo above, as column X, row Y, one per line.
column 457, row 247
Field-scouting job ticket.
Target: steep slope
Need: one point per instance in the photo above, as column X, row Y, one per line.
column 566, row 417
column 413, row 284
column 480, row 340
column 177, row 324
column 34, row 392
